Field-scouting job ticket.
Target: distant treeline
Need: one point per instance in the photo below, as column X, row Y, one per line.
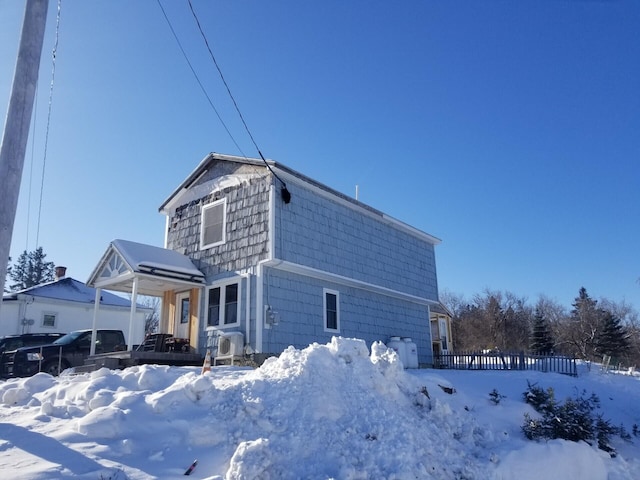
column 590, row 330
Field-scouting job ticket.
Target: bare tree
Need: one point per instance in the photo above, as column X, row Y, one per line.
column 454, row 302
column 557, row 317
column 152, row 319
column 502, row 320
column 493, row 320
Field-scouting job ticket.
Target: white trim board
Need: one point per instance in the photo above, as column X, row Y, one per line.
column 361, row 208
column 342, row 280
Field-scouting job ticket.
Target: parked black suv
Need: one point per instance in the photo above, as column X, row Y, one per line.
column 13, row 342
column 10, row 343
column 68, row 351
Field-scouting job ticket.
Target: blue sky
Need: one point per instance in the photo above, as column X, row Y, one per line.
column 510, row 130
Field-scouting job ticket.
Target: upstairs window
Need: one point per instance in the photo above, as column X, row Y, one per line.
column 213, row 224
column 331, row 310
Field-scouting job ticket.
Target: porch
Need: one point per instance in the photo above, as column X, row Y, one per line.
column 138, row 269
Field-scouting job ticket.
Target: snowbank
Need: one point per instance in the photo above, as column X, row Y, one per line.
column 328, row 411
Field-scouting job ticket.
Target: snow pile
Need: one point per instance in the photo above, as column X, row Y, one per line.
column 556, row 459
column 328, row 411
column 345, row 415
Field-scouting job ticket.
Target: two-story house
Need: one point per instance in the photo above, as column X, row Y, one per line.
column 257, row 248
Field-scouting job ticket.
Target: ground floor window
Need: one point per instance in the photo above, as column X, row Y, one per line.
column 223, row 307
column 331, row 310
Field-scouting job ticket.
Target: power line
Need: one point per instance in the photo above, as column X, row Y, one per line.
column 285, row 193
column 46, row 137
column 184, row 54
column 186, row 57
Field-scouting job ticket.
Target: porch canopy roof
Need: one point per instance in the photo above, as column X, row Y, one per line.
column 156, row 269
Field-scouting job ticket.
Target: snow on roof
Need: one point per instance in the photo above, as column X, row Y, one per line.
column 180, row 194
column 70, row 290
column 139, row 255
column 196, row 192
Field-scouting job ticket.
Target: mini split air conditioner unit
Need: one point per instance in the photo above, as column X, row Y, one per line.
column 230, row 344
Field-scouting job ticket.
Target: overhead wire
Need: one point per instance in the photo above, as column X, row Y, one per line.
column 202, row 88
column 46, row 137
column 285, row 193
column 204, row 91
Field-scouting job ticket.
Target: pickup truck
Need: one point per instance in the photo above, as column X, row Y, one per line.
column 70, row 350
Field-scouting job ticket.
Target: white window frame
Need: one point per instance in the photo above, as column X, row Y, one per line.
column 221, row 314
column 205, row 208
column 49, row 314
column 444, row 334
column 326, row 291
column 185, row 315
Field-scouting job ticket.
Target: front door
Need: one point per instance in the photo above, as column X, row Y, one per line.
column 181, row 322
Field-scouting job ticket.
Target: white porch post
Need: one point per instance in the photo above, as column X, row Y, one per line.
column 259, row 308
column 247, row 311
column 132, row 315
column 94, row 333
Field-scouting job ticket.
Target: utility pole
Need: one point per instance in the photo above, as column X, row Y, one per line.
column 16, row 127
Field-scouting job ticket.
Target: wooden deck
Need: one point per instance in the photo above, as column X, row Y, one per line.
column 117, row 360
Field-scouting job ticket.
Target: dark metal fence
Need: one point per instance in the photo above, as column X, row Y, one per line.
column 506, row 361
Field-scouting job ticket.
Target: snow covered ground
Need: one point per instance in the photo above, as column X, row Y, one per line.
column 342, row 410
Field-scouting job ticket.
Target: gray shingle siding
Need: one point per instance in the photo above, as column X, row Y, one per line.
column 247, row 214
column 329, row 236
column 363, row 314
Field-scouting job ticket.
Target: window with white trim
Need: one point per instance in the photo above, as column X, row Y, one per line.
column 331, row 310
column 213, row 224
column 49, row 319
column 223, row 306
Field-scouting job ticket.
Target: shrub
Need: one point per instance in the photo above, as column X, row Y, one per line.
column 539, row 398
column 573, row 420
column 495, row 397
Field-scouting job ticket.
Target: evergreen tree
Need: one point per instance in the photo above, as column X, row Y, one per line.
column 31, row 269
column 541, row 338
column 584, row 325
column 613, row 339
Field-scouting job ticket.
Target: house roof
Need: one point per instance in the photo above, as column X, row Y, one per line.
column 70, row 290
column 293, row 176
column 441, row 309
column 156, row 269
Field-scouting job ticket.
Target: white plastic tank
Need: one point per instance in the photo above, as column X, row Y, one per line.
column 400, row 348
column 411, row 352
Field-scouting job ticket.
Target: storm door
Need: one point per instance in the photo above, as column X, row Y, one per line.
column 181, row 325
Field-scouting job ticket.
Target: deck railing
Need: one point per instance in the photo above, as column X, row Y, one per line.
column 506, row 361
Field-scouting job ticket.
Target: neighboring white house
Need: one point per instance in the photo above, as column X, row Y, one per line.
column 65, row 305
